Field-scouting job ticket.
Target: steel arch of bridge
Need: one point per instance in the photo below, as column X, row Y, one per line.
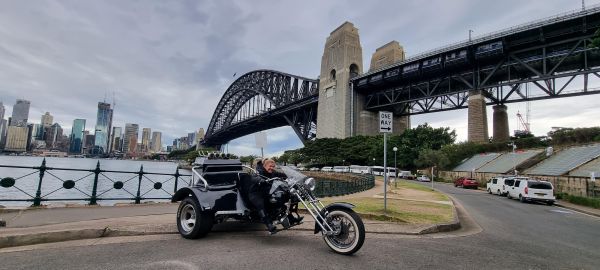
column 261, row 100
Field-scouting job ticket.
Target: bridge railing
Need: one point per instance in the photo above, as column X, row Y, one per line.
column 493, row 35
column 93, row 185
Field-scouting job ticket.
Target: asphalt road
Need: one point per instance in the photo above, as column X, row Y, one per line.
column 507, row 235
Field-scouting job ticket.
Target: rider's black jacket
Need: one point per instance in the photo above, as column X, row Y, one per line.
column 256, row 188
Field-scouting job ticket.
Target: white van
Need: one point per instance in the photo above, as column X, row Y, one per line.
column 532, row 190
column 341, row 169
column 379, row 170
column 406, row 175
column 327, row 169
column 499, row 185
column 360, row 169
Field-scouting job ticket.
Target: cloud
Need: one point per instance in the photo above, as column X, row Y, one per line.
column 168, row 63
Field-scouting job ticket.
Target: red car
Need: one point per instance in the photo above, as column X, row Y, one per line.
column 466, row 182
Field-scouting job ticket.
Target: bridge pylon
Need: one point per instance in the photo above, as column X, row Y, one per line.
column 341, row 61
column 478, row 126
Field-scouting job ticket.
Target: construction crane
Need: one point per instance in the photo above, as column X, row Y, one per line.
column 523, row 124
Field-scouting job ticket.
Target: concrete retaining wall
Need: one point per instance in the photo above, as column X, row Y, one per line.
column 578, row 186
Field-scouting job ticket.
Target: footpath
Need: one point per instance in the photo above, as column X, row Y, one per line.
column 46, row 225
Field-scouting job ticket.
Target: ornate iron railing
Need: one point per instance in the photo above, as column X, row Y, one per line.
column 145, row 184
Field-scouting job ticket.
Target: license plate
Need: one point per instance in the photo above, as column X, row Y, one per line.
column 541, row 194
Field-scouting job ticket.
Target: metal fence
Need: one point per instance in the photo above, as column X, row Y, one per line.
column 332, row 187
column 39, row 184
column 134, row 186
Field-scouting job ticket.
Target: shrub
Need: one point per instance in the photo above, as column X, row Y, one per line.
column 585, row 201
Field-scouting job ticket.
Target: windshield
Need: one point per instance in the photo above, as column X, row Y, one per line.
column 293, row 175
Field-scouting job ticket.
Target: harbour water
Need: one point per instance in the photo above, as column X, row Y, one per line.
column 27, row 180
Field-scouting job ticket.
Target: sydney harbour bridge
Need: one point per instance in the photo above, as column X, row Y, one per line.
column 544, row 59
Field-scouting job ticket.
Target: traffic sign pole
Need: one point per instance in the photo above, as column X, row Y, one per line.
column 385, row 126
column 385, row 174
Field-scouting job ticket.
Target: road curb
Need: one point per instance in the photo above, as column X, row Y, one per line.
column 445, row 227
column 49, row 237
column 577, row 209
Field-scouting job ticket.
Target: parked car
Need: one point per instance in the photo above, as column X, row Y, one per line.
column 406, row 175
column 499, row 185
column 532, row 190
column 466, row 182
column 423, row 178
column 314, row 169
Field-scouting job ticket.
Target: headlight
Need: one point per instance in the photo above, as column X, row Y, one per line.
column 310, row 183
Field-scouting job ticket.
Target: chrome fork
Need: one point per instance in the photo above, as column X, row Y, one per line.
column 314, row 208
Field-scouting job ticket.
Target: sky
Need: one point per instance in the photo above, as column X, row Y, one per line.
column 167, row 63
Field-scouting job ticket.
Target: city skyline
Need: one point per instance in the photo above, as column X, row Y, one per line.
column 176, row 60
column 55, row 129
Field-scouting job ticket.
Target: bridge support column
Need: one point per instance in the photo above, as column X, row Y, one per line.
column 368, row 121
column 478, row 128
column 342, row 60
column 501, row 132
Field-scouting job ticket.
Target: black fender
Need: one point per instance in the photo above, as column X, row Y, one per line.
column 214, row 200
column 331, row 207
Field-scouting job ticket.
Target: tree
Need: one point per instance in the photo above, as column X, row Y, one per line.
column 429, row 157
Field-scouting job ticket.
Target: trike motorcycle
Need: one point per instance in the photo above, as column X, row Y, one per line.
column 214, row 196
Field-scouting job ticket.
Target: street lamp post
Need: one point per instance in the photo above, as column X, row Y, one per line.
column 512, row 144
column 395, row 167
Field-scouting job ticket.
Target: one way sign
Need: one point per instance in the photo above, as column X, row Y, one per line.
column 385, row 122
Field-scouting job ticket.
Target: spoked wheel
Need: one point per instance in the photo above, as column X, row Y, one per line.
column 351, row 229
column 192, row 222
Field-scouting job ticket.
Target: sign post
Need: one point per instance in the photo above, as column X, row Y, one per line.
column 261, row 142
column 385, row 127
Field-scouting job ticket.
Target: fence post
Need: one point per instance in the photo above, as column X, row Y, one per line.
column 140, row 175
column 176, row 179
column 95, row 187
column 38, row 194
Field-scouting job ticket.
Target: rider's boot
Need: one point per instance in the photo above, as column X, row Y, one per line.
column 295, row 220
column 268, row 222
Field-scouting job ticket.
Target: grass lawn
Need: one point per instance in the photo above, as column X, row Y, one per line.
column 402, row 211
column 407, row 202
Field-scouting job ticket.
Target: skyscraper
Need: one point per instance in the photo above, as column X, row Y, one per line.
column 47, row 119
column 191, row 138
column 2, row 110
column 156, row 141
column 131, row 138
column 16, row 139
column 20, row 113
column 199, row 137
column 145, row 140
column 76, row 139
column 37, row 132
column 3, row 126
column 116, row 140
column 103, row 126
column 54, row 136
